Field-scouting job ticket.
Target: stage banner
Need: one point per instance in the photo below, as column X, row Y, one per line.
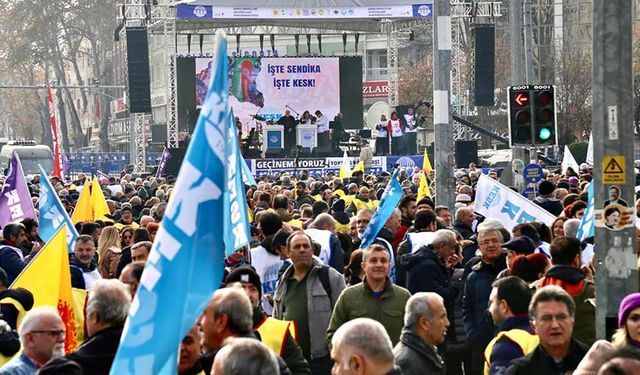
column 406, row 163
column 268, row 86
column 315, row 166
column 204, row 10
column 497, row 201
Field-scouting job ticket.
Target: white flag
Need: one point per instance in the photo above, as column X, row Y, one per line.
column 569, row 161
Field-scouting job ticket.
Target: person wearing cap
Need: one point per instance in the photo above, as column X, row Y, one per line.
column 522, row 245
column 547, row 199
column 566, row 272
column 508, row 306
column 278, row 335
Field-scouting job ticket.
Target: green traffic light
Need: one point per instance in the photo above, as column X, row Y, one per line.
column 544, row 134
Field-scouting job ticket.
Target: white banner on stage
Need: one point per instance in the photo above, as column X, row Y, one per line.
column 496, row 201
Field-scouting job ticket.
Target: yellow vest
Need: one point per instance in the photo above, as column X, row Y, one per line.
column 525, row 340
column 273, row 332
column 295, row 223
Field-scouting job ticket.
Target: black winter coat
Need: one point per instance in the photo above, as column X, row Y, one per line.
column 540, row 362
column 414, row 357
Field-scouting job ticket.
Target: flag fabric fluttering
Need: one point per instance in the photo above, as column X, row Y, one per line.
column 247, row 177
column 587, row 224
column 15, row 199
column 236, row 223
column 83, row 210
column 53, row 216
column 48, row 278
column 388, row 202
column 166, row 155
column 190, row 242
column 345, row 169
column 426, row 163
column 57, row 154
column 98, row 201
column 589, row 158
column 569, row 161
column 358, row 167
column 423, row 189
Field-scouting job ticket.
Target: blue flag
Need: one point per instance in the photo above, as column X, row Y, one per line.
column 52, row 214
column 587, row 224
column 236, row 223
column 186, row 262
column 388, row 202
column 247, row 177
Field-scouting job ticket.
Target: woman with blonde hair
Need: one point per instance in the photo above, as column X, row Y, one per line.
column 109, row 251
column 626, row 337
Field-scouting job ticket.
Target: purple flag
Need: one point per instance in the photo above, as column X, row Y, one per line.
column 15, row 199
column 166, row 155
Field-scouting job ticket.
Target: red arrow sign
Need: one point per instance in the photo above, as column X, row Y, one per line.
column 521, row 98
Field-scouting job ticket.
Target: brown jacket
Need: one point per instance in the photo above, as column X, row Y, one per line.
column 109, row 262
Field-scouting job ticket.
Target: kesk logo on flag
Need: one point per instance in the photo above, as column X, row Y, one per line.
column 497, row 201
column 185, row 265
column 587, row 225
column 52, row 214
column 48, row 278
column 15, row 199
column 236, row 226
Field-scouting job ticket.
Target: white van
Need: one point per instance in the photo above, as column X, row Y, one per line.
column 30, row 153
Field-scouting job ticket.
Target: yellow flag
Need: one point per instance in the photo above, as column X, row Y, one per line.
column 345, row 170
column 84, row 207
column 79, row 304
column 48, row 278
column 100, row 207
column 426, row 163
column 358, row 167
column 423, row 189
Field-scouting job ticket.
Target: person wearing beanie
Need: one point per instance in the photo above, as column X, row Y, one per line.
column 278, row 335
column 626, row 337
column 547, row 199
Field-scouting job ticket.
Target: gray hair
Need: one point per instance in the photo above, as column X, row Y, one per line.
column 323, row 220
column 12, row 229
column 234, row 303
column 33, row 316
column 365, row 336
column 485, row 231
column 443, row 236
column 417, row 306
column 461, row 211
column 571, row 227
column 551, row 293
column 248, row 356
column 146, row 244
column 490, row 224
column 110, row 300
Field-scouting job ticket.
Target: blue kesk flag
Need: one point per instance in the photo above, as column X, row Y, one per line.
column 52, row 214
column 186, row 262
column 388, row 202
column 587, row 225
column 236, row 223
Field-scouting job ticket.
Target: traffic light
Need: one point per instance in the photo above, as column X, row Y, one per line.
column 545, row 115
column 532, row 115
column 520, row 115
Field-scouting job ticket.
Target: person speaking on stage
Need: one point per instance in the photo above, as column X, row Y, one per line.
column 289, row 123
column 322, row 122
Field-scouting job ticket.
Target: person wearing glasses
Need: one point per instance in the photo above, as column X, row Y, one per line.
column 552, row 313
column 475, row 298
column 42, row 337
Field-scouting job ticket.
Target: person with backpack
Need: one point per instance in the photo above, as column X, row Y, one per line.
column 307, row 293
column 376, row 297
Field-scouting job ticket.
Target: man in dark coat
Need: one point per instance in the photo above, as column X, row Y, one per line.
column 463, row 222
column 552, row 312
column 104, row 326
column 547, row 200
column 477, row 289
column 425, row 327
column 11, row 257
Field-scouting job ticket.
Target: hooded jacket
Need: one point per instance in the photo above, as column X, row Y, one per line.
column 582, row 290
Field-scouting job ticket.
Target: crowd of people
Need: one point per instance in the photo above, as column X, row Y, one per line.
column 440, row 291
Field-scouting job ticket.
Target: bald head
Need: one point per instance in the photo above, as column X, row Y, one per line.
column 325, row 221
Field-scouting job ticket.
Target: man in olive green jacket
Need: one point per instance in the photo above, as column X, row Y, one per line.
column 375, row 297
